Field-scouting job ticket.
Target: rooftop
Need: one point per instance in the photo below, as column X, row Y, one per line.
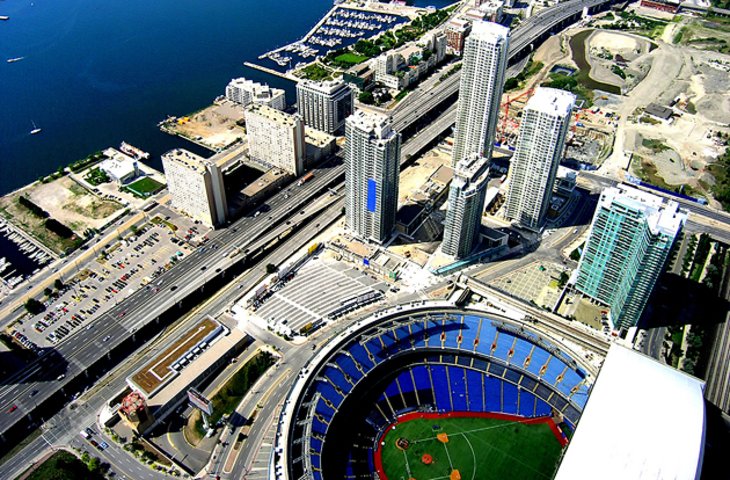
column 659, row 111
column 551, row 101
column 489, row 31
column 643, row 420
column 117, row 163
column 663, row 215
column 327, row 86
column 375, row 124
column 272, row 114
column 188, row 159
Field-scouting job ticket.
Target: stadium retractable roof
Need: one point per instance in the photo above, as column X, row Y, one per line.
column 643, row 420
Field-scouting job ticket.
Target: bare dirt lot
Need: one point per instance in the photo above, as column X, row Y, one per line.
column 214, row 126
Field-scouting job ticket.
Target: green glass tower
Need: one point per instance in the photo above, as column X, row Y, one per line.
column 631, row 236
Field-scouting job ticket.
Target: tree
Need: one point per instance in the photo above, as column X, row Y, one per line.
column 271, row 268
column 366, row 98
column 58, row 284
column 47, row 292
column 34, row 307
column 563, row 279
column 94, row 464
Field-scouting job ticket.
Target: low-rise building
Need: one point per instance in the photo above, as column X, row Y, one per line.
column 246, row 92
column 670, row 6
column 319, row 146
column 196, row 186
column 120, row 167
column 405, row 66
column 275, row 138
column 456, row 32
column 565, row 181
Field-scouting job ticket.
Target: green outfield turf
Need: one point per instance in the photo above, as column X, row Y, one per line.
column 479, row 448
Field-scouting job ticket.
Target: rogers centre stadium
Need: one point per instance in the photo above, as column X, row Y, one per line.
column 430, row 390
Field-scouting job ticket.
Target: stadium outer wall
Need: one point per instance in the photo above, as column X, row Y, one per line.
column 281, row 458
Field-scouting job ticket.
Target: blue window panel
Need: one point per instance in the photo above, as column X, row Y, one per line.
column 458, row 388
column 509, row 404
column 372, row 195
column 361, row 355
column 493, row 393
column 420, row 374
column 348, row 366
column 527, row 404
column 474, row 386
column 329, row 392
column 318, row 427
column 543, row 409
column 537, row 360
column 315, row 444
column 441, row 387
column 405, row 381
column 316, row 475
column 503, row 345
column 521, row 350
column 338, row 378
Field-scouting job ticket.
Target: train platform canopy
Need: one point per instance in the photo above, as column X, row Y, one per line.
column 643, row 420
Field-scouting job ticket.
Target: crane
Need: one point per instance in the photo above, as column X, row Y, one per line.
column 506, row 105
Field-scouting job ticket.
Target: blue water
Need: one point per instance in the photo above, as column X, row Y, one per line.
column 100, row 72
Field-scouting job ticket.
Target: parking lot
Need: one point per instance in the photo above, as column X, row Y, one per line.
column 536, row 282
column 115, row 272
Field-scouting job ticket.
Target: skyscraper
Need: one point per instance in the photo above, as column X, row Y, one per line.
column 630, row 239
column 466, row 204
column 275, row 138
column 325, row 105
column 480, row 90
column 535, row 163
column 372, row 166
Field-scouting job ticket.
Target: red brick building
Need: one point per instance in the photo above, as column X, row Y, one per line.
column 663, row 5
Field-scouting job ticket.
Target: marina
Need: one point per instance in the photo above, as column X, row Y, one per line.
column 21, row 258
column 340, row 28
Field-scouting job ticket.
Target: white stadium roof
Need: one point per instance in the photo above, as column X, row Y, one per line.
column 643, row 420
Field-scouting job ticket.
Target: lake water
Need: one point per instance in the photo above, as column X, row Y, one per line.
column 97, row 73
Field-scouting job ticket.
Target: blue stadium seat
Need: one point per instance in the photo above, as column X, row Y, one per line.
column 451, row 334
column 324, row 410
column 476, row 393
column 315, row 444
column 375, row 348
column 555, row 368
column 504, row 342
column 361, row 356
column 392, row 390
column 348, row 366
column 329, row 392
column 509, row 401
column 537, row 360
column 527, row 404
column 468, row 334
column 542, row 409
column 521, row 350
column 316, row 461
column 319, row 427
column 493, row 393
column 441, row 387
column 316, row 475
column 405, row 382
column 338, row 378
column 420, row 374
column 458, row 389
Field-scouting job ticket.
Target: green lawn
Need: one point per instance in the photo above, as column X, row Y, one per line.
column 479, row 448
column 350, row 58
column 146, row 186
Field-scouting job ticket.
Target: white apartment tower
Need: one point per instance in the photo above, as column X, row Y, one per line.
column 535, row 163
column 196, row 186
column 275, row 138
column 480, row 90
column 324, row 106
column 466, row 204
column 372, row 167
column 246, row 92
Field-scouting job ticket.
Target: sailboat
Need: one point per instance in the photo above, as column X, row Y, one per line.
column 35, row 130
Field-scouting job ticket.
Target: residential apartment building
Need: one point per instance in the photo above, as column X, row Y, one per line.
column 466, row 205
column 325, row 105
column 196, row 186
column 480, row 90
column 534, row 165
column 246, row 92
column 631, row 236
column 372, row 167
column 456, row 32
column 275, row 138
